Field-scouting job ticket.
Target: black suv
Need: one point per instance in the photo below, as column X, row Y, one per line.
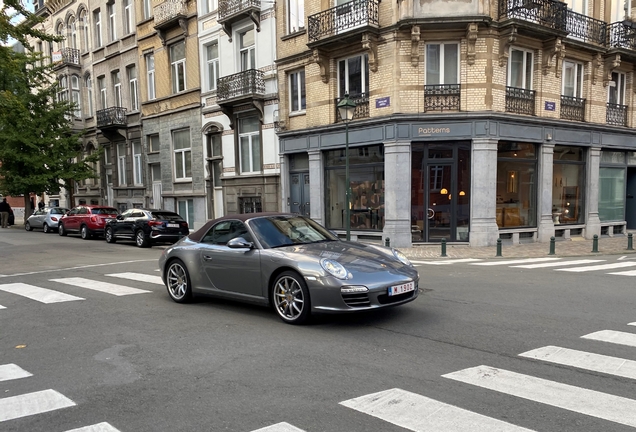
column 146, row 227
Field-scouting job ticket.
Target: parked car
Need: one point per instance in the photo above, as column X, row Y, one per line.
column 47, row 219
column 287, row 261
column 146, row 227
column 87, row 220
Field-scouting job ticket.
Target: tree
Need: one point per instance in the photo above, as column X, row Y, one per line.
column 39, row 150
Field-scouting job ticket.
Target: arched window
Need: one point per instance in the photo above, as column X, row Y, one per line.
column 83, row 18
column 88, row 83
column 62, row 91
column 75, row 96
column 72, row 28
column 59, row 31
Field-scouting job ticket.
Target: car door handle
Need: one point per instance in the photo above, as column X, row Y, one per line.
column 207, row 257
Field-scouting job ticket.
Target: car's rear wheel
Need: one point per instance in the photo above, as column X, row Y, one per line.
column 28, row 227
column 61, row 230
column 178, row 282
column 290, row 297
column 108, row 234
column 141, row 240
column 46, row 228
column 85, row 233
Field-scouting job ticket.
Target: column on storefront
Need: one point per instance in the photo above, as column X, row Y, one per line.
column 483, row 224
column 284, row 183
column 316, row 178
column 397, row 200
column 546, row 218
column 593, row 223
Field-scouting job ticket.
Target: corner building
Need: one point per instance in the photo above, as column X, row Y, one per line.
column 473, row 121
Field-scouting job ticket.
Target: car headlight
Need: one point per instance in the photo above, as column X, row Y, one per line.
column 401, row 257
column 334, row 268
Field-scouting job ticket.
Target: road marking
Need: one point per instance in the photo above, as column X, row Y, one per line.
column 632, row 324
column 419, row 413
column 577, row 399
column 2, row 307
column 625, row 273
column 519, row 261
column 584, row 360
column 138, row 277
column 279, row 427
column 443, row 262
column 74, row 268
column 12, row 371
column 557, row 264
column 42, row 295
column 599, row 267
column 611, row 336
column 32, row 403
column 105, row 287
column 99, row 427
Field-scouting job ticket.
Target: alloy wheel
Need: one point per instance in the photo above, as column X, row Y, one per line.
column 178, row 282
column 46, row 229
column 291, row 298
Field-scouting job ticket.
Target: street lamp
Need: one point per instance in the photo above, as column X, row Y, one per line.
column 346, row 108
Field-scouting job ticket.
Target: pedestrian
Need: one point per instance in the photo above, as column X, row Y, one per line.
column 5, row 209
column 41, row 204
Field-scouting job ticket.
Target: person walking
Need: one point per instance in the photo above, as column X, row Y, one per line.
column 5, row 209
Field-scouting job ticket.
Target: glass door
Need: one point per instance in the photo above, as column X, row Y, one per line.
column 439, row 212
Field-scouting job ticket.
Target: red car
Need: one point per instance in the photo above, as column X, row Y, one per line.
column 87, row 220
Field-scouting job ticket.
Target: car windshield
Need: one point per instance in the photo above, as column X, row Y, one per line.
column 166, row 216
column 104, row 211
column 277, row 231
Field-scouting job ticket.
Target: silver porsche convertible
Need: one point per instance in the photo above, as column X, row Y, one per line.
column 287, row 261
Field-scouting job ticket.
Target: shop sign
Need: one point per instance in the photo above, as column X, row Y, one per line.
column 550, row 106
column 383, row 102
column 428, row 131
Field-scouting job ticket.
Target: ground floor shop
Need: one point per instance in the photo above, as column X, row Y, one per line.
column 463, row 180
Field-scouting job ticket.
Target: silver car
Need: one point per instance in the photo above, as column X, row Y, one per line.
column 289, row 262
column 47, row 219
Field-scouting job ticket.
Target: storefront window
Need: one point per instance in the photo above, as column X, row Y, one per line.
column 568, row 185
column 366, row 178
column 611, row 194
column 516, row 185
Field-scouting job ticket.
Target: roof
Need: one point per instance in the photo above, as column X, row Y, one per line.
column 198, row 234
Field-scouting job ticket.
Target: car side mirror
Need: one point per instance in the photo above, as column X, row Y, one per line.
column 239, row 243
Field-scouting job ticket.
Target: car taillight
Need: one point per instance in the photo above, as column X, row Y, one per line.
column 53, row 218
column 155, row 223
column 184, row 224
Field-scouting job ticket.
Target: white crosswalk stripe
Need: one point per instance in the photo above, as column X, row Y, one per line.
column 598, row 267
column 99, row 427
column 419, row 413
column 105, row 287
column 557, row 264
column 612, row 336
column 584, row 360
column 446, row 262
column 2, row 307
column 138, row 277
column 32, row 403
column 576, row 399
column 625, row 273
column 12, row 371
column 279, row 427
column 42, row 295
column 516, row 261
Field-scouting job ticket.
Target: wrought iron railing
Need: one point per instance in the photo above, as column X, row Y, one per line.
column 547, row 13
column 442, row 97
column 622, row 35
column 362, row 106
column 169, row 10
column 586, row 28
column 113, row 116
column 70, row 56
column 616, row 114
column 520, row 100
column 228, row 8
column 340, row 19
column 244, row 83
column 572, row 108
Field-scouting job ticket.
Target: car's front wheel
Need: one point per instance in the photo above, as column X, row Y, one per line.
column 290, row 297
column 46, row 228
column 61, row 230
column 141, row 240
column 108, row 234
column 28, row 227
column 85, row 233
column 178, row 282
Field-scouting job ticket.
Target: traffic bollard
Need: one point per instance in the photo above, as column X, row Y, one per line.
column 552, row 245
column 443, row 247
column 630, row 245
column 498, row 247
column 387, row 242
column 595, row 243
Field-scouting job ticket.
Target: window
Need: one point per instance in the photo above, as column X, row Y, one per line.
column 353, row 76
column 215, row 156
column 442, row 63
column 182, row 155
column 40, row 50
column 247, row 50
column 153, row 143
column 59, row 31
column 121, row 163
column 212, row 58
column 224, row 231
column 520, row 69
column 108, row 156
column 572, row 79
column 112, row 29
column 147, row 9
column 611, row 194
column 250, row 144
column 616, row 89
column 115, row 76
column 72, row 26
column 137, row 165
column 177, row 65
column 85, row 32
column 76, row 96
column 62, row 91
column 150, row 75
column 568, row 180
column 155, row 173
column 128, row 19
column 295, row 15
column 516, row 185
column 88, row 83
column 97, row 22
column 186, row 210
column 208, row 6
column 297, row 100
column 131, row 71
column 101, row 83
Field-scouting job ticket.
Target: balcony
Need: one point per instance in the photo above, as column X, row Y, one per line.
column 586, row 29
column 350, row 19
column 520, row 100
column 622, row 35
column 545, row 18
column 241, row 88
column 442, row 97
column 111, row 118
column 231, row 11
column 362, row 106
column 66, row 57
column 572, row 108
column 616, row 115
column 169, row 14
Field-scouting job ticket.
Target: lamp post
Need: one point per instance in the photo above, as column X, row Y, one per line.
column 346, row 108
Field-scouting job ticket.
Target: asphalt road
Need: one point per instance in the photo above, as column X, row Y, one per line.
column 140, row 362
